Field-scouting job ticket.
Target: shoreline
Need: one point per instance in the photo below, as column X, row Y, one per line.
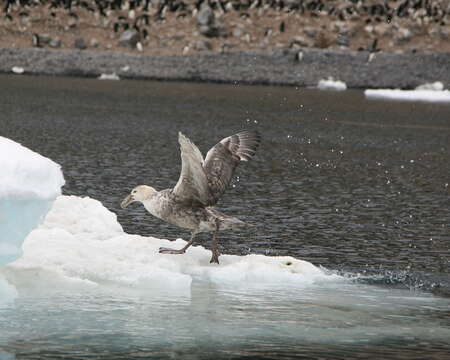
column 286, row 67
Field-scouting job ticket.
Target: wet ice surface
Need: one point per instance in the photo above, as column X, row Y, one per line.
column 355, row 186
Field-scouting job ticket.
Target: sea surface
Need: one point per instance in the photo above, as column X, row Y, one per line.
column 358, row 187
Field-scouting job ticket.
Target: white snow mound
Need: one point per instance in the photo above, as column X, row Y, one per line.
column 436, row 86
column 112, row 76
column 82, row 244
column 27, row 174
column 331, row 84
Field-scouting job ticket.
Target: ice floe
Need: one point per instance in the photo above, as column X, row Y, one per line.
column 331, row 84
column 112, row 76
column 17, row 70
column 81, row 245
column 429, row 92
column 29, row 183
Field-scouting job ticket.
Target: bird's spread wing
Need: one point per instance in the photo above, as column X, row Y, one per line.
column 225, row 156
column 192, row 186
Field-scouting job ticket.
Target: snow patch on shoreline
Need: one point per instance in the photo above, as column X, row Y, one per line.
column 331, row 84
column 429, row 92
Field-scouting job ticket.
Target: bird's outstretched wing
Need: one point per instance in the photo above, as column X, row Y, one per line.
column 224, row 157
column 192, row 186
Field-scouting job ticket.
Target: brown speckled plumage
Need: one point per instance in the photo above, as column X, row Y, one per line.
column 201, row 184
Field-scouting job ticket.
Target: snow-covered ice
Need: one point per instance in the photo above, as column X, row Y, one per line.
column 81, row 245
column 430, row 92
column 28, row 185
column 331, row 84
column 436, row 86
column 112, row 76
column 17, row 70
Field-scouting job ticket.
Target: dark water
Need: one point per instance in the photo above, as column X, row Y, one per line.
column 353, row 185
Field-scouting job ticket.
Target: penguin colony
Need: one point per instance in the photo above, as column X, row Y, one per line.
column 187, row 26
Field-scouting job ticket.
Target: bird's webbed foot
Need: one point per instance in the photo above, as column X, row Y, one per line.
column 215, row 248
column 215, row 257
column 163, row 250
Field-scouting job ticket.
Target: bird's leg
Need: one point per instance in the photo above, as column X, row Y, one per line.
column 215, row 245
column 163, row 250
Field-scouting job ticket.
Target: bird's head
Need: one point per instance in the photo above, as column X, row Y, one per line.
column 139, row 193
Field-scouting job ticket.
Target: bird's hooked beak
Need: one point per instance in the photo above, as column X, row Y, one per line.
column 127, row 201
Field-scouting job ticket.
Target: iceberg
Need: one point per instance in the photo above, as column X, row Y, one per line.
column 81, row 246
column 29, row 184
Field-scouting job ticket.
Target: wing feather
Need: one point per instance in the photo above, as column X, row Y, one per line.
column 192, row 186
column 222, row 159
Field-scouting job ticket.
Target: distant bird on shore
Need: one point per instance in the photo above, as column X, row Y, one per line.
column 202, row 182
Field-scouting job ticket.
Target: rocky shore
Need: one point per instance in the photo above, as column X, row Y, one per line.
column 371, row 43
column 281, row 67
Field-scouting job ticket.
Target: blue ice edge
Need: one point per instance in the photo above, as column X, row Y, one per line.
column 29, row 184
column 18, row 217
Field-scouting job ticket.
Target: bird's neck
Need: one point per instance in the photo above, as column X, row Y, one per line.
column 150, row 194
column 152, row 204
